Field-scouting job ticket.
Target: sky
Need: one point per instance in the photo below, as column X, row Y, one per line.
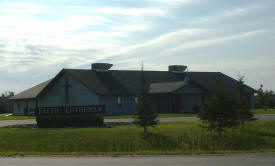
column 38, row 38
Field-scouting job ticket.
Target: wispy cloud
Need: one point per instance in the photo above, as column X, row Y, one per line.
column 232, row 13
column 177, row 2
column 23, row 8
column 130, row 11
column 201, row 43
column 129, row 28
column 165, row 40
column 241, row 11
column 26, row 5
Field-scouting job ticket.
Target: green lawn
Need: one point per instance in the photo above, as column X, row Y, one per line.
column 12, row 117
column 264, row 111
column 166, row 138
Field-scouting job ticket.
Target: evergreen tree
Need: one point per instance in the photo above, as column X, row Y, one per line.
column 260, row 97
column 243, row 99
column 220, row 111
column 226, row 109
column 145, row 113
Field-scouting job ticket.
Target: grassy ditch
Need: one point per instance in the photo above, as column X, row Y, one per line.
column 166, row 138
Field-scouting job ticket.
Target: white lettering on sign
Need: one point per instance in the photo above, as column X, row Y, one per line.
column 95, row 109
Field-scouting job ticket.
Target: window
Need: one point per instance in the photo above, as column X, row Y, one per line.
column 119, row 102
column 136, row 99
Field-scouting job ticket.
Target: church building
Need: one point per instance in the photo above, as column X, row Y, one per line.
column 173, row 91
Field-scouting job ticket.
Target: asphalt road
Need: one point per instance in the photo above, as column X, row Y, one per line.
column 4, row 123
column 256, row 159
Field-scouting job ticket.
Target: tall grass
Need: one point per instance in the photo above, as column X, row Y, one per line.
column 167, row 138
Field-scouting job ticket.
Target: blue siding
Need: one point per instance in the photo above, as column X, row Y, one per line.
column 20, row 105
column 78, row 94
column 113, row 108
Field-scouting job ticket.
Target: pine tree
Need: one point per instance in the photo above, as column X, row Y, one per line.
column 243, row 98
column 226, row 109
column 145, row 114
column 260, row 97
column 220, row 111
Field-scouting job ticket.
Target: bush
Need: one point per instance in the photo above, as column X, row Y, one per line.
column 69, row 121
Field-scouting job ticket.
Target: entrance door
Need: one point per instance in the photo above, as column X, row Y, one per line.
column 188, row 102
column 168, row 103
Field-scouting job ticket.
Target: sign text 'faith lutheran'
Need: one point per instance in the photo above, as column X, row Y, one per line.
column 70, row 110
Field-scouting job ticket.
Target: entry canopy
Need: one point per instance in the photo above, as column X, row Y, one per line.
column 166, row 87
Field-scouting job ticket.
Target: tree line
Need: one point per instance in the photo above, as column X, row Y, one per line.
column 265, row 98
column 7, row 94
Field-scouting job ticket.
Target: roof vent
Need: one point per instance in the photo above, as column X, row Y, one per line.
column 177, row 68
column 101, row 66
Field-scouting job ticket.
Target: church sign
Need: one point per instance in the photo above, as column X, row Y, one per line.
column 70, row 110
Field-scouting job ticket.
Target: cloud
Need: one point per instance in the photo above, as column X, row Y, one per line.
column 165, row 41
column 177, row 2
column 28, row 57
column 227, row 14
column 201, row 43
column 128, row 28
column 241, row 11
column 26, row 5
column 23, row 8
column 130, row 11
column 172, row 45
column 38, row 39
